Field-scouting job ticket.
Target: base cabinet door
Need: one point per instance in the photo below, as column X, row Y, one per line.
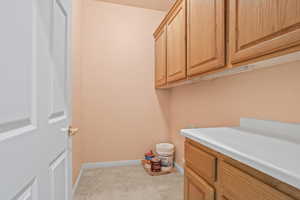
column 176, row 44
column 237, row 185
column 260, row 28
column 196, row 188
column 205, row 36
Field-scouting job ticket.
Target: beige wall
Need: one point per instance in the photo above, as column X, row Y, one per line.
column 77, row 156
column 272, row 94
column 122, row 116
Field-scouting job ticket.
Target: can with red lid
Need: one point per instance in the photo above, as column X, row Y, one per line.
column 155, row 165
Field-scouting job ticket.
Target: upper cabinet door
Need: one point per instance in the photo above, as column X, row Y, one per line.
column 205, row 35
column 260, row 27
column 160, row 58
column 176, row 44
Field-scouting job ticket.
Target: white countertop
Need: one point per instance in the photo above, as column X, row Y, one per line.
column 268, row 146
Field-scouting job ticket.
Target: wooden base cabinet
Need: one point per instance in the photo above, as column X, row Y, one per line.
column 234, row 180
column 197, row 188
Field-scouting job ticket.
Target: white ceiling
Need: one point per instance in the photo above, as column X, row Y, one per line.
column 162, row 5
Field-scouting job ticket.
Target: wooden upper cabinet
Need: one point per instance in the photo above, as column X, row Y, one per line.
column 205, row 35
column 176, row 43
column 258, row 28
column 200, row 36
column 160, row 58
column 196, row 188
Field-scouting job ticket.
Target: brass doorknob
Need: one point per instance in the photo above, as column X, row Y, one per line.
column 72, row 131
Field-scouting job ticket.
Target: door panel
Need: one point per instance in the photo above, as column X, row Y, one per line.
column 261, row 27
column 160, row 58
column 29, row 192
column 58, row 120
column 17, row 115
column 176, row 45
column 58, row 71
column 197, row 188
column 18, row 125
column 205, row 35
column 57, row 79
column 58, row 177
column 34, row 71
column 195, row 193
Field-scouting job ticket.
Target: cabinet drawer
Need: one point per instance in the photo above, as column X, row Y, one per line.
column 237, row 185
column 201, row 162
column 196, row 188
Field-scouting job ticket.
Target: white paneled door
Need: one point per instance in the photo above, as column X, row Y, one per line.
column 35, row 148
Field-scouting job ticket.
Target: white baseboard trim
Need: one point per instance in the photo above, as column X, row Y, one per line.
column 77, row 181
column 179, row 168
column 111, row 164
